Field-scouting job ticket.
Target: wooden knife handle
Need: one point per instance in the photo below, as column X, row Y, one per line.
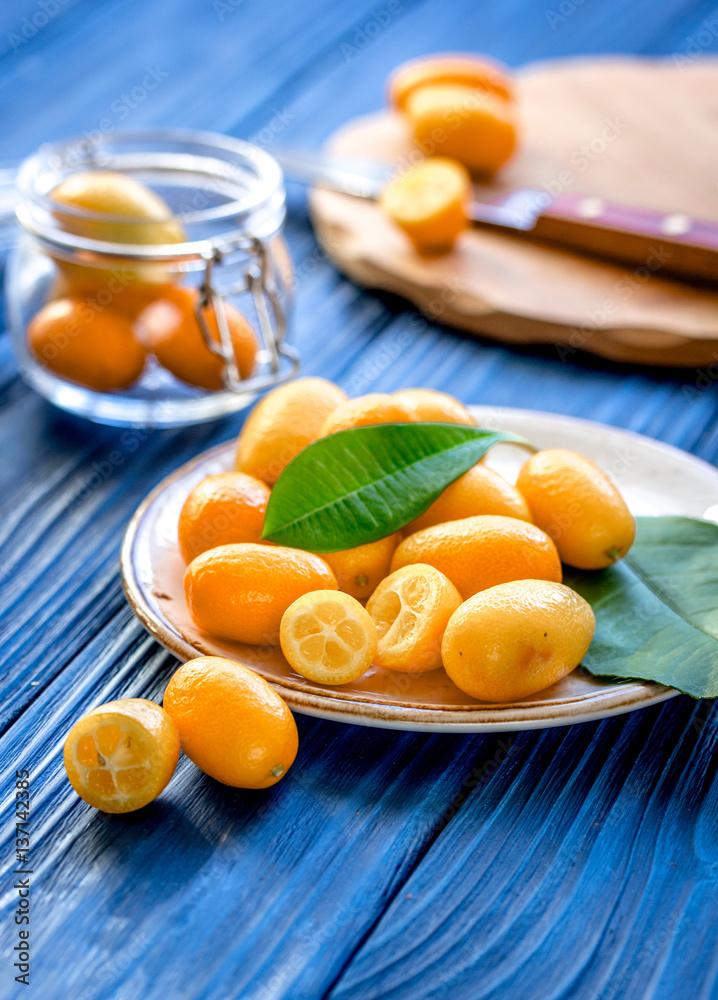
column 656, row 242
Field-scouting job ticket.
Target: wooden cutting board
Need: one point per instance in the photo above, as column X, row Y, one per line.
column 640, row 132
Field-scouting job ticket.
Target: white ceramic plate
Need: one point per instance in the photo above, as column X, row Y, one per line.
column 654, row 478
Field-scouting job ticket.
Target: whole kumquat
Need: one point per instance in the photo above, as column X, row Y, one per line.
column 360, row 570
column 575, row 502
column 283, row 423
column 169, row 328
column 232, row 724
column 97, row 349
column 480, row 552
column 478, row 491
column 241, row 591
column 510, row 641
column 221, row 509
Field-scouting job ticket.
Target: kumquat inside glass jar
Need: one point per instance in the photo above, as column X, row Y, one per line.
column 150, row 283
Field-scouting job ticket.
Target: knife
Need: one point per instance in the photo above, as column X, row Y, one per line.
column 671, row 243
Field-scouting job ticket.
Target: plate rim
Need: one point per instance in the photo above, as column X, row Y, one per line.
column 616, row 699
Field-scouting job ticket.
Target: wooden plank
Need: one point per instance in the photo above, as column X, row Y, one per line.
column 217, row 893
column 260, row 888
column 586, row 867
column 200, row 78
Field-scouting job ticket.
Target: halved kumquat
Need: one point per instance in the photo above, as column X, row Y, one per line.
column 411, row 609
column 328, row 637
column 121, row 755
column 429, row 202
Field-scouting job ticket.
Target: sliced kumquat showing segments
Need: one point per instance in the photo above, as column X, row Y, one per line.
column 121, row 755
column 328, row 637
column 411, row 609
column 429, row 202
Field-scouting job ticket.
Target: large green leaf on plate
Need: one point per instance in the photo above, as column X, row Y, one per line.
column 657, row 611
column 360, row 485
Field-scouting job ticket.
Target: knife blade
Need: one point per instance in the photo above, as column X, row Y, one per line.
column 671, row 243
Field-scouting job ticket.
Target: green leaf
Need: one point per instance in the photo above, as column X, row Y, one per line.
column 360, row 485
column 657, row 610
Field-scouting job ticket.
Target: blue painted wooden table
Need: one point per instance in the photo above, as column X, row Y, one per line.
column 577, row 862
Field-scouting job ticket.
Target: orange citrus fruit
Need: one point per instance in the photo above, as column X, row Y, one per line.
column 429, row 202
column 93, row 348
column 463, row 123
column 122, row 754
column 138, row 214
column 168, row 327
column 116, row 287
column 478, row 491
column 283, row 423
column 221, row 509
column 116, row 208
column 448, row 67
column 364, row 411
column 328, row 637
column 410, row 610
column 575, row 502
column 360, row 570
column 432, row 405
column 483, row 551
column 232, row 724
column 517, row 638
column 241, row 591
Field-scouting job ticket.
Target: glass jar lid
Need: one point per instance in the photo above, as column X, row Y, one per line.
column 224, row 192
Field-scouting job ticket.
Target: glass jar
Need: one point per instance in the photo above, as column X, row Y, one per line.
column 223, row 250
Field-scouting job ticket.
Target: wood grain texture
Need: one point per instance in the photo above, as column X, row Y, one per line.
column 263, row 890
column 629, row 131
column 485, row 912
column 298, row 893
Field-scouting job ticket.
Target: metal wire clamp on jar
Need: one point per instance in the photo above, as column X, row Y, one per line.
column 228, row 197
